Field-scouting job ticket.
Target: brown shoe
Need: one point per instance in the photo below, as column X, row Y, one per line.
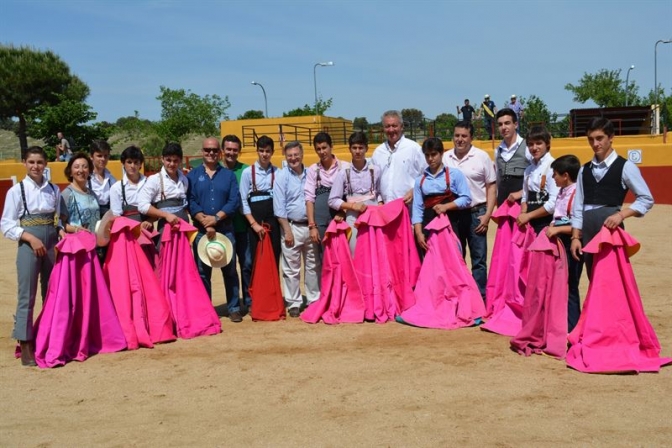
column 27, row 354
column 236, row 317
column 294, row 312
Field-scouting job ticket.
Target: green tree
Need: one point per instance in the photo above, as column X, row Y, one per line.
column 536, row 111
column 308, row 110
column 251, row 115
column 360, row 123
column 413, row 118
column 444, row 125
column 141, row 132
column 605, row 88
column 30, row 78
column 184, row 112
column 665, row 102
column 72, row 117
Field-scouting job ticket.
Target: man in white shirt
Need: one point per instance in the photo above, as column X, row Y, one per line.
column 479, row 171
column 400, row 160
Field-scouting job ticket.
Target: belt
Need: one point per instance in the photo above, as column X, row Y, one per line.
column 474, row 207
column 511, row 176
column 298, row 223
column 260, row 198
column 44, row 219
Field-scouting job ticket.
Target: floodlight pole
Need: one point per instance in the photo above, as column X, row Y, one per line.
column 265, row 99
column 319, row 64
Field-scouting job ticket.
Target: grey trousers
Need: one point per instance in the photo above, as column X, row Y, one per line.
column 28, row 269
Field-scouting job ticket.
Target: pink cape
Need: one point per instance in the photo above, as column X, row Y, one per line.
column 386, row 260
column 545, row 307
column 143, row 311
column 78, row 318
column 341, row 299
column 148, row 247
column 505, row 290
column 613, row 333
column 191, row 307
column 446, row 295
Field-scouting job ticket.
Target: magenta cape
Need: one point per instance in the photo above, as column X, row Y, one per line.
column 190, row 304
column 341, row 299
column 143, row 311
column 446, row 295
column 505, row 290
column 78, row 319
column 148, row 247
column 267, row 301
column 545, row 307
column 613, row 333
column 386, row 260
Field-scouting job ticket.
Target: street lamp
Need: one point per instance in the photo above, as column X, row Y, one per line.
column 627, row 77
column 655, row 66
column 319, row 64
column 254, row 83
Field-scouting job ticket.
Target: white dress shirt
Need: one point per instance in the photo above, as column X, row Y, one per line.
column 533, row 176
column 101, row 188
column 399, row 167
column 41, row 199
column 131, row 190
column 631, row 178
column 151, row 192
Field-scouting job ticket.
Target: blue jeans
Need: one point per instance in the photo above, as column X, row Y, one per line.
column 231, row 284
column 478, row 244
column 245, row 263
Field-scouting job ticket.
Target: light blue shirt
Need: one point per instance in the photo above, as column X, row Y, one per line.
column 289, row 200
column 263, row 178
column 631, row 178
column 437, row 185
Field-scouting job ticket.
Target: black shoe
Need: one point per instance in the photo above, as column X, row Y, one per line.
column 27, row 354
column 294, row 312
column 235, row 316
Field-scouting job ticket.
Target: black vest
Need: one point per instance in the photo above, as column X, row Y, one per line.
column 609, row 190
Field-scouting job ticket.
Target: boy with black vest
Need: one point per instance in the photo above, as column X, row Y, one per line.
column 511, row 158
column 601, row 188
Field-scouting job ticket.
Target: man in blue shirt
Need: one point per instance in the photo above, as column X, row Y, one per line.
column 213, row 201
column 289, row 205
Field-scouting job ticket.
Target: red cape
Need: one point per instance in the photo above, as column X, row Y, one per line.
column 386, row 260
column 446, row 295
column 78, row 318
column 341, row 299
column 143, row 311
column 190, row 304
column 613, row 333
column 544, row 323
column 267, row 301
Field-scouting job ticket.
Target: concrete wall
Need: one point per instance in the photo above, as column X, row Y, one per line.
column 655, row 164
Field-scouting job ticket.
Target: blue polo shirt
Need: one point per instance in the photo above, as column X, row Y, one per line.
column 211, row 195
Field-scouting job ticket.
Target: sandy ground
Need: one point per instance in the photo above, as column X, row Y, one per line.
column 292, row 384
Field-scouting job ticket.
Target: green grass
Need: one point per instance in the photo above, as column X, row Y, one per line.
column 11, row 150
column 9, row 145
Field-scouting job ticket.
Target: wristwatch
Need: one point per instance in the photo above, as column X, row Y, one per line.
column 217, row 218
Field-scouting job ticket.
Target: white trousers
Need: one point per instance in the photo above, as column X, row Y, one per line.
column 291, row 267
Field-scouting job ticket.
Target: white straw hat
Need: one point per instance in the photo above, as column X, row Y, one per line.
column 216, row 252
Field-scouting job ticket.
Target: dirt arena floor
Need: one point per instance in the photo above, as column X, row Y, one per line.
column 290, row 384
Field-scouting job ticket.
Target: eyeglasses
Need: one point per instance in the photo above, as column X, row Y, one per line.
column 211, row 150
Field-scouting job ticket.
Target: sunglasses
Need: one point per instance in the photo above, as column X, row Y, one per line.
column 211, row 149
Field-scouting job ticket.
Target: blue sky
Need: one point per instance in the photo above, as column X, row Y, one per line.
column 428, row 55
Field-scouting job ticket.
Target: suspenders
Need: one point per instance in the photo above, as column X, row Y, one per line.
column 254, row 178
column 347, row 175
